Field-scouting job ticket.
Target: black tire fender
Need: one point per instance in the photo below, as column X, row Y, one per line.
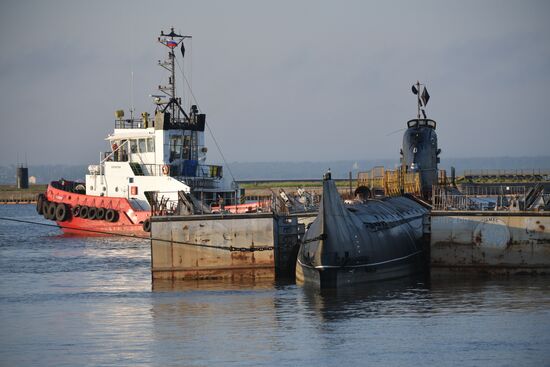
column 92, row 211
column 45, row 206
column 40, row 203
column 61, row 212
column 51, row 211
column 147, row 225
column 84, row 211
column 100, row 214
column 76, row 211
column 109, row 215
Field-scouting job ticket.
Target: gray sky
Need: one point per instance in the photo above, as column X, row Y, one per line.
column 280, row 80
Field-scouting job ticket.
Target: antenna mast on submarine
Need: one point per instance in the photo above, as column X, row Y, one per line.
column 422, row 98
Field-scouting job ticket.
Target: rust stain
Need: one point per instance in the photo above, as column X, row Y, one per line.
column 213, row 274
column 239, row 256
column 542, row 227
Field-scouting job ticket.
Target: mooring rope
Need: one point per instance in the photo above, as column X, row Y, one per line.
column 225, row 248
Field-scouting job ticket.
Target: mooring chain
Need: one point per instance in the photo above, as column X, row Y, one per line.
column 248, row 249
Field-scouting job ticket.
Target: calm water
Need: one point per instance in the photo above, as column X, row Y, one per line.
column 68, row 301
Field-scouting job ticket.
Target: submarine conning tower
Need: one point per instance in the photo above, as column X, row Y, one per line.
column 420, row 152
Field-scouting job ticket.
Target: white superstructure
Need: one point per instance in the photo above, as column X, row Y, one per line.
column 160, row 153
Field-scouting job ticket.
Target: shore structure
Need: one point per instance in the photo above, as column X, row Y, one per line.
column 400, row 222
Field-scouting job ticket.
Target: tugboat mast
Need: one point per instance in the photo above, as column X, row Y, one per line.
column 171, row 40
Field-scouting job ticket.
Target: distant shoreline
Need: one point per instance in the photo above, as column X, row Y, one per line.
column 10, row 194
column 297, row 170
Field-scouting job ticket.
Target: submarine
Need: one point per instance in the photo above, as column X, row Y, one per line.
column 369, row 238
column 419, row 152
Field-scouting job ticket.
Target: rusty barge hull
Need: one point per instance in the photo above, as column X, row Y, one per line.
column 226, row 246
column 490, row 242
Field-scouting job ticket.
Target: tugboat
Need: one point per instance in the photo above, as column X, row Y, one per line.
column 372, row 239
column 153, row 162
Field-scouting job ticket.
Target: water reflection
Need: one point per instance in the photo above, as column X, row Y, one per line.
column 428, row 297
column 175, row 285
column 91, row 301
column 400, row 296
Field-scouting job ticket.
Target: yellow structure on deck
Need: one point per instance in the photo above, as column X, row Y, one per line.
column 394, row 182
column 390, row 182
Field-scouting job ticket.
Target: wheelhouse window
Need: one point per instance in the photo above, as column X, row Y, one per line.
column 187, row 147
column 133, row 146
column 142, row 146
column 175, row 147
column 123, row 151
column 150, row 145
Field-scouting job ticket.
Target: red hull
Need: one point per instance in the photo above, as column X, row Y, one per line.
column 88, row 227
column 130, row 221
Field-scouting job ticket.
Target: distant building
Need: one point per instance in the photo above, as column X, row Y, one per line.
column 22, row 177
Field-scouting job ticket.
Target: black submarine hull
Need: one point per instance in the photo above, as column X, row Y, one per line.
column 344, row 276
column 362, row 242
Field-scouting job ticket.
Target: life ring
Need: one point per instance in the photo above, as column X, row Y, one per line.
column 166, row 170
